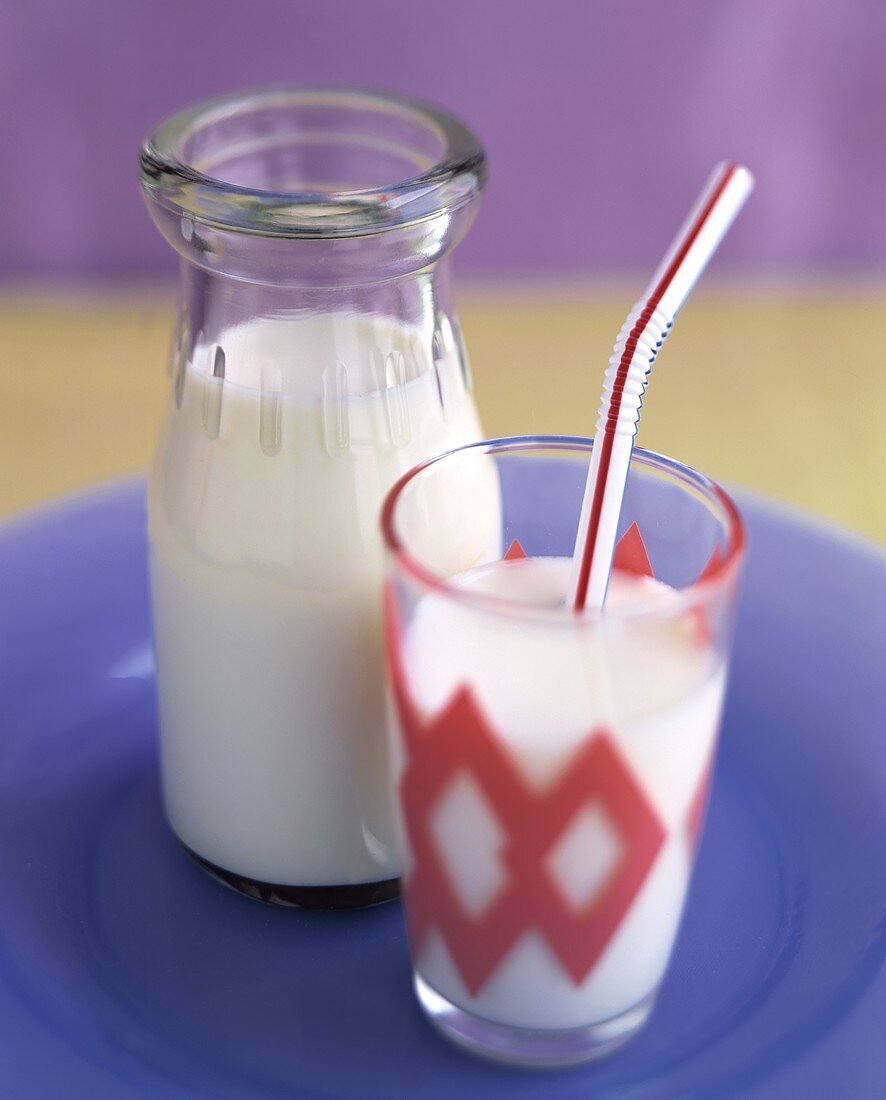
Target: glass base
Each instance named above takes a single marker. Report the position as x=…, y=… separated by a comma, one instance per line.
x=529, y=1046
x=358, y=895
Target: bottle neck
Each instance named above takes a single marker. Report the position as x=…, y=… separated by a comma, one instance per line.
x=379, y=333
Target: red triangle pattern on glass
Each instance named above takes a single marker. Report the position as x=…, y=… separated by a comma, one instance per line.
x=630, y=554
x=714, y=563
x=631, y=557
x=702, y=625
x=460, y=739
x=515, y=551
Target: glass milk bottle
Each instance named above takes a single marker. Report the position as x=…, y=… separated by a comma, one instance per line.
x=316, y=359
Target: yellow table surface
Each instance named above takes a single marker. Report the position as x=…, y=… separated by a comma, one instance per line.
x=783, y=393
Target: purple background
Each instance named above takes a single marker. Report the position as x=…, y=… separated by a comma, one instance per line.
x=601, y=119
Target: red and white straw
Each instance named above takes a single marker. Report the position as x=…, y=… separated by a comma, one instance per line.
x=626, y=377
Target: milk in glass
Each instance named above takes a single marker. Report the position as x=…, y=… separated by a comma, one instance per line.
x=544, y=687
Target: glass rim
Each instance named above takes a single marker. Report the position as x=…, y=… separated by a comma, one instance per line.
x=687, y=596
x=452, y=181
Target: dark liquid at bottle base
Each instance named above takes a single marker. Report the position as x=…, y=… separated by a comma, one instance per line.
x=359, y=895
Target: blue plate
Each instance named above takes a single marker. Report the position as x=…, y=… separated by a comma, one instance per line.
x=127, y=972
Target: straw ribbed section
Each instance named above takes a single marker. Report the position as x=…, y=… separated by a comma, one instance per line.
x=627, y=375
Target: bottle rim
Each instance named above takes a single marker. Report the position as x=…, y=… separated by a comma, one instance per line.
x=175, y=179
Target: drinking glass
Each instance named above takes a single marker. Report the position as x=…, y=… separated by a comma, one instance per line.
x=551, y=769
